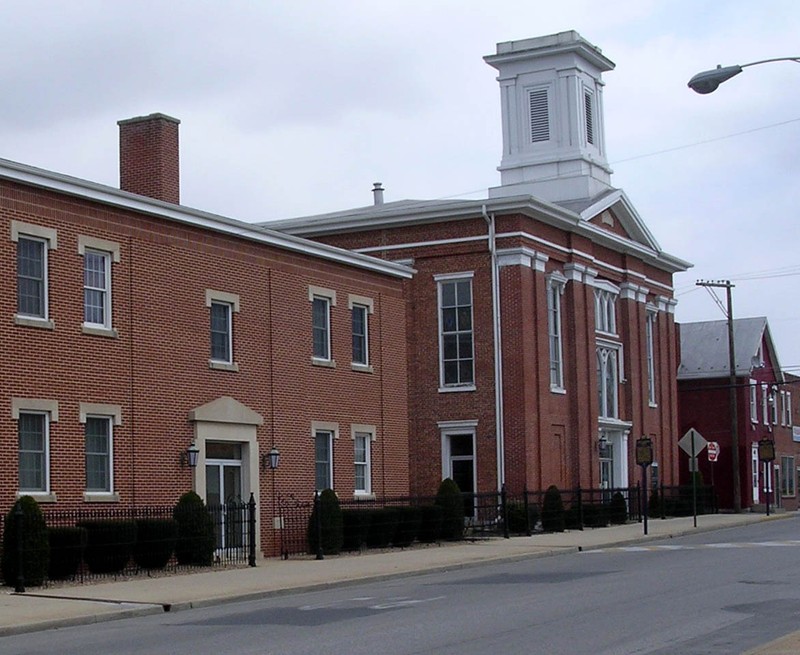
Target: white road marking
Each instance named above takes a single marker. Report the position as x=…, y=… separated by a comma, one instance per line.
x=722, y=545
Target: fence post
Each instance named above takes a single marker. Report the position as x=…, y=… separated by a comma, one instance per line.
x=19, y=517
x=528, y=529
x=504, y=507
x=663, y=504
x=251, y=517
x=580, y=508
x=318, y=514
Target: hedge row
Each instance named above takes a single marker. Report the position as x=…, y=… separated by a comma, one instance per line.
x=106, y=546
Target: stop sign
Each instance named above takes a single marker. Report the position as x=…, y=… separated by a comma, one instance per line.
x=713, y=451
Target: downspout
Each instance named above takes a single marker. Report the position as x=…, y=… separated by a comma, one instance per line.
x=498, y=352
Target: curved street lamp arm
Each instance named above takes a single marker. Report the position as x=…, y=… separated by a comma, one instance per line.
x=708, y=81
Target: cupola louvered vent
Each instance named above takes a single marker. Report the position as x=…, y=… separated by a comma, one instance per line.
x=540, y=115
x=587, y=104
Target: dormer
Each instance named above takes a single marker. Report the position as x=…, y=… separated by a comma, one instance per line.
x=552, y=118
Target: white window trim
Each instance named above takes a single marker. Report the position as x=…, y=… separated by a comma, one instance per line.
x=49, y=237
x=329, y=295
x=370, y=431
x=454, y=277
x=650, y=345
x=753, y=402
x=333, y=430
x=368, y=305
x=447, y=428
x=764, y=403
x=788, y=482
x=605, y=306
x=556, y=283
x=112, y=250
x=48, y=409
x=617, y=347
x=232, y=300
x=103, y=327
x=788, y=408
x=114, y=417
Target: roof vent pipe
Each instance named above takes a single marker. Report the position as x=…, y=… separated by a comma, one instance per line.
x=377, y=192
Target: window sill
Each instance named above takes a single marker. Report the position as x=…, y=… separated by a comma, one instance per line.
x=455, y=389
x=223, y=366
x=100, y=497
x=324, y=363
x=39, y=496
x=360, y=495
x=653, y=405
x=30, y=321
x=98, y=331
x=362, y=368
x=561, y=391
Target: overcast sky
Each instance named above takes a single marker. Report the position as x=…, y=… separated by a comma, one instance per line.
x=295, y=107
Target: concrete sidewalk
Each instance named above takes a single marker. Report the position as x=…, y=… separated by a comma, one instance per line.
x=40, y=609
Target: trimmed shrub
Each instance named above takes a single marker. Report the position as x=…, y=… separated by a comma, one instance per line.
x=35, y=544
x=109, y=544
x=518, y=523
x=196, y=535
x=155, y=542
x=430, y=523
x=408, y=521
x=355, y=526
x=618, y=509
x=66, y=551
x=655, y=506
x=595, y=515
x=382, y=527
x=573, y=517
x=552, y=510
x=331, y=528
x=449, y=498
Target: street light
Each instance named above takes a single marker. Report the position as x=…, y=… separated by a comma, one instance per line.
x=708, y=81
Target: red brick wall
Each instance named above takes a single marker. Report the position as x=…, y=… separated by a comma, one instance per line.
x=157, y=368
x=149, y=157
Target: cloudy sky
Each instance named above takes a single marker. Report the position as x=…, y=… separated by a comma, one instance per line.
x=295, y=107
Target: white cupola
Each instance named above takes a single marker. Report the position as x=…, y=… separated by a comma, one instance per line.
x=552, y=114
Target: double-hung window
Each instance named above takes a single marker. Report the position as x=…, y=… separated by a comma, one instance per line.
x=222, y=307
x=34, y=417
x=605, y=308
x=787, y=476
x=765, y=403
x=753, y=401
x=323, y=458
x=98, y=433
x=787, y=408
x=362, y=441
x=98, y=257
x=98, y=438
x=360, y=309
x=322, y=300
x=457, y=359
x=33, y=245
x=555, y=289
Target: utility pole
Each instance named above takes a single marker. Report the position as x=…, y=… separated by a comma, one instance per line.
x=737, y=492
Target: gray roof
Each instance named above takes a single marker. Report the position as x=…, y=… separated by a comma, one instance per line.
x=704, y=347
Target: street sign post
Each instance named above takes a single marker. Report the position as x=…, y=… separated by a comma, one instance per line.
x=713, y=456
x=693, y=443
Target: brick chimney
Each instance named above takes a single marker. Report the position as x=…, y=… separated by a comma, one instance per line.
x=148, y=157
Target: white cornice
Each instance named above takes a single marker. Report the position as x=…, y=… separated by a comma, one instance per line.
x=105, y=195
x=522, y=257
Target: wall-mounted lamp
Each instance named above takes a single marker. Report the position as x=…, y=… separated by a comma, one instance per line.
x=271, y=459
x=189, y=456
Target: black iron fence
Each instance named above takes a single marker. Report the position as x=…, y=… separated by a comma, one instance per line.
x=400, y=521
x=85, y=544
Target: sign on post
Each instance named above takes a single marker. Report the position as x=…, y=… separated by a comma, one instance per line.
x=713, y=451
x=692, y=442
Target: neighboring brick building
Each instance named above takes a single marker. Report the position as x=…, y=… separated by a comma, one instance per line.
x=135, y=327
x=552, y=286
x=765, y=409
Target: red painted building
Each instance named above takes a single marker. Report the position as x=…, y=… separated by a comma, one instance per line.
x=764, y=400
x=540, y=322
x=135, y=327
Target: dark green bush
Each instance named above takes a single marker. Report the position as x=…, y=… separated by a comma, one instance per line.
x=109, y=544
x=430, y=523
x=66, y=551
x=35, y=544
x=573, y=517
x=655, y=505
x=618, y=509
x=409, y=520
x=196, y=535
x=552, y=510
x=155, y=542
x=449, y=498
x=595, y=515
x=382, y=527
x=330, y=526
x=518, y=523
x=355, y=526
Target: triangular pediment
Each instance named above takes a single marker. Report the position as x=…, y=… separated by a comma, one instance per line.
x=226, y=410
x=613, y=212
